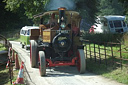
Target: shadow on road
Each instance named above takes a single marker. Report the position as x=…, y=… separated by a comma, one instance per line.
x=63, y=71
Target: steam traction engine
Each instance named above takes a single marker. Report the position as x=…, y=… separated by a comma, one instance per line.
x=56, y=44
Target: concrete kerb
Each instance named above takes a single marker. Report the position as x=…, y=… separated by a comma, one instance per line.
x=27, y=79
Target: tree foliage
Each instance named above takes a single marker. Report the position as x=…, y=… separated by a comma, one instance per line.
x=87, y=8
x=110, y=7
x=125, y=6
x=9, y=20
x=31, y=7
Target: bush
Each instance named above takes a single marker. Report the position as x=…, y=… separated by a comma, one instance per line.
x=116, y=38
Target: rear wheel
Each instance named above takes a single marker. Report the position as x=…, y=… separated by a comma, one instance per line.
x=42, y=63
x=26, y=48
x=81, y=64
x=33, y=51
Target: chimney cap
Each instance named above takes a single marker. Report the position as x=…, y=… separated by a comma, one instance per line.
x=61, y=8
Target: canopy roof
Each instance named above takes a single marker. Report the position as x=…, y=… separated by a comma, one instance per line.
x=74, y=13
x=114, y=17
x=29, y=27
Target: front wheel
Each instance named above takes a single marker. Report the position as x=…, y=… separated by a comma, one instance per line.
x=81, y=64
x=42, y=63
x=22, y=45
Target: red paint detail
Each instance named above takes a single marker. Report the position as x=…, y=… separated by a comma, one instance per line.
x=70, y=53
x=43, y=48
x=78, y=61
x=17, y=66
x=61, y=63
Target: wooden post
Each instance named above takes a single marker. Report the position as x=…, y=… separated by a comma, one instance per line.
x=105, y=54
x=112, y=55
x=99, y=53
x=120, y=57
x=94, y=52
x=90, y=51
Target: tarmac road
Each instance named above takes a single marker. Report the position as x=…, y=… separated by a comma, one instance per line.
x=67, y=75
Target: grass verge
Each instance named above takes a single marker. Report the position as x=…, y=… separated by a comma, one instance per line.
x=2, y=47
x=12, y=35
x=109, y=71
x=5, y=76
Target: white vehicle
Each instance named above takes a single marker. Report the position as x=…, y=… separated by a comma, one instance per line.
x=110, y=24
x=25, y=33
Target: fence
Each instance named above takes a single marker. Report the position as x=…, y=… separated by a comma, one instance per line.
x=14, y=63
x=108, y=53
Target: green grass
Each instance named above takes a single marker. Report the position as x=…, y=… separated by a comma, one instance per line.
x=4, y=75
x=2, y=47
x=100, y=37
x=109, y=71
x=118, y=75
x=116, y=51
x=12, y=35
x=13, y=39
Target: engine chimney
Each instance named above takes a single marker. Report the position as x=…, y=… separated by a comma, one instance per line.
x=61, y=14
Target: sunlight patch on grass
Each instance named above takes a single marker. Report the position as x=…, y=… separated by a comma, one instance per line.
x=13, y=39
x=2, y=47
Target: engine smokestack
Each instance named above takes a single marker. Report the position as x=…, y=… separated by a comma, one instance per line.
x=61, y=15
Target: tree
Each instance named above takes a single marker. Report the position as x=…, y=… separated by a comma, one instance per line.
x=125, y=6
x=110, y=7
x=87, y=8
x=31, y=7
x=9, y=20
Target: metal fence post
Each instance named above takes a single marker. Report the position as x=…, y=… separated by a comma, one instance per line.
x=94, y=52
x=86, y=51
x=120, y=57
x=112, y=55
x=90, y=51
x=99, y=53
x=105, y=54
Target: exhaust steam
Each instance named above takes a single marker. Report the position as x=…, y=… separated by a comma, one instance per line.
x=55, y=4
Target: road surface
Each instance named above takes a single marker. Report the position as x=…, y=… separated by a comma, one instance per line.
x=67, y=75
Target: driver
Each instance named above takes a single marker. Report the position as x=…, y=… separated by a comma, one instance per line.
x=52, y=21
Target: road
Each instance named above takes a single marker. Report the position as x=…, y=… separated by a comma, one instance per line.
x=67, y=75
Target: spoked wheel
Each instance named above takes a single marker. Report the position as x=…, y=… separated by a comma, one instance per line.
x=33, y=51
x=81, y=64
x=42, y=63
